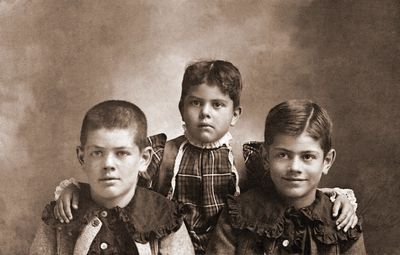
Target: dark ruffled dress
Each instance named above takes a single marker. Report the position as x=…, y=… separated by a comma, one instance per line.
x=149, y=216
x=257, y=222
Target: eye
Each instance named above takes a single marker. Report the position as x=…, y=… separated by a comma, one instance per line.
x=282, y=155
x=218, y=105
x=308, y=157
x=123, y=153
x=195, y=103
x=96, y=154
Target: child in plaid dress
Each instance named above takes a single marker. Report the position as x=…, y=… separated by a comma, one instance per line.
x=198, y=167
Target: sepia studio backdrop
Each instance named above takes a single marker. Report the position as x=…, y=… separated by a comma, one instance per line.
x=59, y=58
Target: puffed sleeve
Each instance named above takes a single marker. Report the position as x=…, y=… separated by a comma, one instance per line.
x=177, y=243
x=45, y=241
x=256, y=173
x=157, y=143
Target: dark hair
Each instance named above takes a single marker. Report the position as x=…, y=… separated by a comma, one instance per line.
x=213, y=72
x=294, y=117
x=116, y=114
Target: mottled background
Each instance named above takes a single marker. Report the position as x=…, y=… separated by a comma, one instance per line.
x=58, y=58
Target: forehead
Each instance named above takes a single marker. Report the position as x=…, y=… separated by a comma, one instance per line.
x=302, y=142
x=207, y=91
x=116, y=137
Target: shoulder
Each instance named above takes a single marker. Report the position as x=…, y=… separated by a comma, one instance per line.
x=257, y=210
x=153, y=215
x=324, y=226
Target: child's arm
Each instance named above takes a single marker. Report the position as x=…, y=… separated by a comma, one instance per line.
x=67, y=193
x=344, y=201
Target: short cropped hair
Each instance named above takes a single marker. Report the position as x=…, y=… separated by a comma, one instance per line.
x=213, y=72
x=294, y=117
x=114, y=114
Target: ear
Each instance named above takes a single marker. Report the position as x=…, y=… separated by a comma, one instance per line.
x=80, y=154
x=145, y=160
x=265, y=156
x=328, y=161
x=236, y=115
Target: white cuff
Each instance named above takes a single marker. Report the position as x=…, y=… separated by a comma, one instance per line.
x=349, y=193
x=63, y=184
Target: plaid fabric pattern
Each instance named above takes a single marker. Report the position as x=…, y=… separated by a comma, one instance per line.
x=203, y=181
x=157, y=143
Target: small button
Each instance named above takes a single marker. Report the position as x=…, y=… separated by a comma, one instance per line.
x=95, y=222
x=285, y=243
x=103, y=246
x=103, y=214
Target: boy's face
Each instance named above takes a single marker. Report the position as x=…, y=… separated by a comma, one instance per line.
x=208, y=113
x=296, y=165
x=111, y=161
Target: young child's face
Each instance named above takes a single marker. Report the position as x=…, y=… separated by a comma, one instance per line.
x=296, y=165
x=208, y=113
x=111, y=161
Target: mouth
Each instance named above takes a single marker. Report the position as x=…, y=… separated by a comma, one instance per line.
x=293, y=179
x=109, y=179
x=205, y=125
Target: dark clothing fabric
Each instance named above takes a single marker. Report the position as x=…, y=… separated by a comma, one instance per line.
x=258, y=222
x=121, y=227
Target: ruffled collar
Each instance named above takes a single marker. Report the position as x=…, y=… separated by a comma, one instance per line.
x=147, y=217
x=224, y=140
x=260, y=211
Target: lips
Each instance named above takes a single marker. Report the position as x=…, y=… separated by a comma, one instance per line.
x=105, y=179
x=205, y=125
x=294, y=179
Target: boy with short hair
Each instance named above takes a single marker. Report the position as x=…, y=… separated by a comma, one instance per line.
x=288, y=215
x=198, y=168
x=115, y=216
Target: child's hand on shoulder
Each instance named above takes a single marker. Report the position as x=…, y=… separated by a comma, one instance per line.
x=347, y=218
x=68, y=198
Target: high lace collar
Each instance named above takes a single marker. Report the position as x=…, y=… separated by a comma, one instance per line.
x=148, y=215
x=224, y=140
x=260, y=211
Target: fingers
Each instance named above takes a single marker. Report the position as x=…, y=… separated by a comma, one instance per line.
x=63, y=217
x=75, y=199
x=56, y=214
x=336, y=208
x=354, y=221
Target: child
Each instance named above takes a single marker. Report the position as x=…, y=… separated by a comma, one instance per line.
x=116, y=216
x=198, y=168
x=288, y=216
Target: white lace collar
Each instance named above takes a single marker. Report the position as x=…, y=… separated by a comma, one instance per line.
x=223, y=140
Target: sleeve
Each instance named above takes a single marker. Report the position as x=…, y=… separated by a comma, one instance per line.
x=335, y=192
x=63, y=184
x=354, y=248
x=45, y=241
x=254, y=165
x=178, y=243
x=223, y=240
x=157, y=143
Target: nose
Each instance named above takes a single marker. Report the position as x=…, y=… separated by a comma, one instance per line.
x=295, y=165
x=205, y=111
x=109, y=162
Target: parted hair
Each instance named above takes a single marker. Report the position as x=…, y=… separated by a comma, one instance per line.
x=214, y=73
x=294, y=117
x=113, y=114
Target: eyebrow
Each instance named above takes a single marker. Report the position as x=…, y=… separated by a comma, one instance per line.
x=114, y=148
x=202, y=99
x=286, y=150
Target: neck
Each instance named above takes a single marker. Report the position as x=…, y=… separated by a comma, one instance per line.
x=300, y=202
x=120, y=201
x=211, y=145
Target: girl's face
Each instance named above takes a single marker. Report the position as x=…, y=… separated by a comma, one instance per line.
x=208, y=113
x=296, y=165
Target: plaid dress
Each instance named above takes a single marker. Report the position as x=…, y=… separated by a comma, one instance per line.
x=203, y=176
